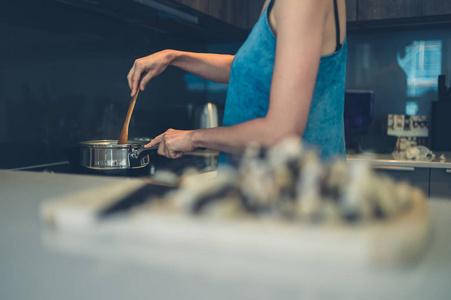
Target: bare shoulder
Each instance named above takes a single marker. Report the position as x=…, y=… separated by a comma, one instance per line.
x=308, y=18
x=305, y=6
x=298, y=12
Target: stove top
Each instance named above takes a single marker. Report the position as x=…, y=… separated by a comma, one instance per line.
x=201, y=161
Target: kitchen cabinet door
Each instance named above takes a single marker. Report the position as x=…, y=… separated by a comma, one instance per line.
x=437, y=7
x=351, y=10
x=385, y=9
x=229, y=11
x=253, y=10
x=440, y=185
x=418, y=177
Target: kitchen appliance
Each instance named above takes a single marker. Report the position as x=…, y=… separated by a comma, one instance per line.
x=358, y=115
x=444, y=93
x=108, y=156
x=410, y=130
x=440, y=118
x=201, y=160
x=441, y=126
x=206, y=116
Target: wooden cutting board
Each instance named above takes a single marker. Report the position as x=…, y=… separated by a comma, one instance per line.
x=403, y=239
x=395, y=242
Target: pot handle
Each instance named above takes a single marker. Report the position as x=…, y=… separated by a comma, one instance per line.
x=138, y=154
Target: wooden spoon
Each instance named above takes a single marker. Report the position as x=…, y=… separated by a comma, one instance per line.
x=123, y=138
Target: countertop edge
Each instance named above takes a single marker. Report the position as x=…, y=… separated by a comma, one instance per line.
x=389, y=161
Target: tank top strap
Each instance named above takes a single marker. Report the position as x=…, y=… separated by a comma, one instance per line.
x=337, y=27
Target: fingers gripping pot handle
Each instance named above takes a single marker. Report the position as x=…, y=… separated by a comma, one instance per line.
x=138, y=154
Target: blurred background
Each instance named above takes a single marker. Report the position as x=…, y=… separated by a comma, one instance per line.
x=63, y=67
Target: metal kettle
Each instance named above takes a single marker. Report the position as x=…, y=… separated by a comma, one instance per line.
x=206, y=116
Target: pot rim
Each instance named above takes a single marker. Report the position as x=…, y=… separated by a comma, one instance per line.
x=111, y=144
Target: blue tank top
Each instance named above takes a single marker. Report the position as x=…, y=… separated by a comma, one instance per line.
x=250, y=83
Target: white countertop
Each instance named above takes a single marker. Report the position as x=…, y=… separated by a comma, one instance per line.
x=390, y=161
x=38, y=263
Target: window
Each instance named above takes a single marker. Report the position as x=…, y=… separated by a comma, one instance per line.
x=422, y=64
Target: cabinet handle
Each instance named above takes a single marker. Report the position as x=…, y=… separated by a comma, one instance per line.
x=394, y=168
x=448, y=171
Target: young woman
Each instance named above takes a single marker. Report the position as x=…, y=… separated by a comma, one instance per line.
x=286, y=80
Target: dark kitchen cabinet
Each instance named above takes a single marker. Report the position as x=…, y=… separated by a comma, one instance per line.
x=440, y=183
x=244, y=13
x=418, y=177
x=229, y=11
x=384, y=9
x=253, y=10
x=351, y=10
x=437, y=7
x=240, y=13
x=369, y=10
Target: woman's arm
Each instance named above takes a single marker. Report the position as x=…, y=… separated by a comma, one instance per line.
x=300, y=32
x=213, y=67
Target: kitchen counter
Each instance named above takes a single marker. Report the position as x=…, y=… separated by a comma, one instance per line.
x=388, y=160
x=38, y=262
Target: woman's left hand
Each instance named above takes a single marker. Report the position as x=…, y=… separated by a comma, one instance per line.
x=173, y=143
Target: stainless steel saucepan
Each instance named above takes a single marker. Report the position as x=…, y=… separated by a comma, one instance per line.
x=106, y=155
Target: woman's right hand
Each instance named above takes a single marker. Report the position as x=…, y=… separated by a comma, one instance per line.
x=148, y=67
